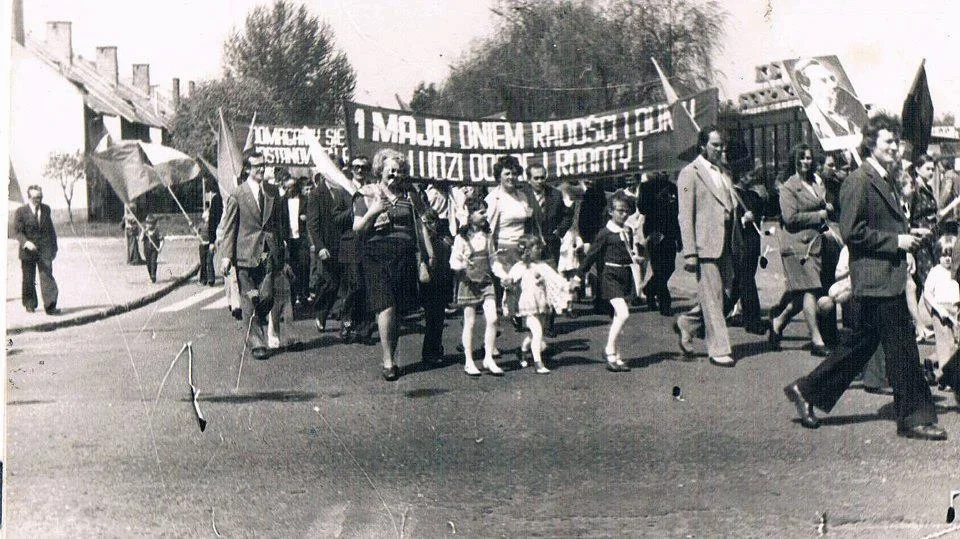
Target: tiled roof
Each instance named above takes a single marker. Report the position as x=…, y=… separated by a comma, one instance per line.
x=102, y=96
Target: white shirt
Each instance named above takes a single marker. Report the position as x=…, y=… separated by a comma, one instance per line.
x=876, y=164
x=293, y=209
x=720, y=181
x=255, y=188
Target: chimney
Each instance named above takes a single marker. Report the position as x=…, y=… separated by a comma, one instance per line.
x=175, y=93
x=191, y=87
x=107, y=64
x=60, y=41
x=141, y=78
x=17, y=29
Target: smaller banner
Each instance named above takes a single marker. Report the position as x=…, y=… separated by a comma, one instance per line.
x=833, y=109
x=287, y=145
x=606, y=144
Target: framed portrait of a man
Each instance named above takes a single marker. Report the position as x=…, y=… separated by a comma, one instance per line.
x=835, y=113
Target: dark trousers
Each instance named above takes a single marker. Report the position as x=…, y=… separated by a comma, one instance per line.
x=299, y=260
x=745, y=282
x=951, y=373
x=152, y=256
x=663, y=261
x=48, y=286
x=434, y=302
x=354, y=295
x=208, y=274
x=887, y=322
x=256, y=300
x=325, y=280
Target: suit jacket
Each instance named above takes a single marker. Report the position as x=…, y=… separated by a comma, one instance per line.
x=555, y=219
x=871, y=218
x=214, y=215
x=703, y=212
x=658, y=204
x=800, y=215
x=41, y=233
x=329, y=215
x=249, y=238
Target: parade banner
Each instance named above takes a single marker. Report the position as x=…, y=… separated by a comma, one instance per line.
x=634, y=139
x=286, y=145
x=833, y=109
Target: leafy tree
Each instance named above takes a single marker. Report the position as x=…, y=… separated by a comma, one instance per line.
x=194, y=128
x=292, y=53
x=947, y=118
x=67, y=169
x=555, y=58
x=424, y=97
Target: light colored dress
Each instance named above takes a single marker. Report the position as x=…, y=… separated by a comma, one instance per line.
x=541, y=288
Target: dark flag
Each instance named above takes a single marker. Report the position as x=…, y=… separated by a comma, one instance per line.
x=918, y=114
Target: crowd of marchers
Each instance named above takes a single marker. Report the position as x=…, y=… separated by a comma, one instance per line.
x=865, y=242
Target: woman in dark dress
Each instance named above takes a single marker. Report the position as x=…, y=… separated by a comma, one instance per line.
x=921, y=210
x=804, y=216
x=386, y=219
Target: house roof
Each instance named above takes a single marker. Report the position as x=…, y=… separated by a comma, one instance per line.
x=101, y=95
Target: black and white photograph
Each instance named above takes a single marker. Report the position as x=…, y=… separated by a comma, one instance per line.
x=490, y=268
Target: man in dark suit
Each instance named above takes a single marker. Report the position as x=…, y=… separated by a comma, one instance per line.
x=298, y=251
x=329, y=215
x=878, y=237
x=709, y=228
x=38, y=247
x=254, y=234
x=658, y=204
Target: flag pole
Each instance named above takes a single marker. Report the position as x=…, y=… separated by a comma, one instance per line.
x=189, y=221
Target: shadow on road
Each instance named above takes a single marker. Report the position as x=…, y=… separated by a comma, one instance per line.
x=270, y=396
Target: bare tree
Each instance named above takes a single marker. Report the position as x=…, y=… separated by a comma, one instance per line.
x=67, y=169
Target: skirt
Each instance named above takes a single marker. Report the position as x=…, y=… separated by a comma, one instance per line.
x=472, y=293
x=390, y=274
x=616, y=282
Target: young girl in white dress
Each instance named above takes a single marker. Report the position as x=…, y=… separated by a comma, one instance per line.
x=541, y=288
x=471, y=258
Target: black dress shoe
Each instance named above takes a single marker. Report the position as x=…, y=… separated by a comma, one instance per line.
x=930, y=431
x=391, y=373
x=683, y=342
x=757, y=328
x=31, y=309
x=774, y=337
x=53, y=311
x=819, y=351
x=804, y=408
x=260, y=353
x=666, y=310
x=930, y=371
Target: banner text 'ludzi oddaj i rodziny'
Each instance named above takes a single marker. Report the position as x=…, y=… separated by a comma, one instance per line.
x=599, y=145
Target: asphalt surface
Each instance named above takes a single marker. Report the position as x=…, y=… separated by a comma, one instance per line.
x=315, y=444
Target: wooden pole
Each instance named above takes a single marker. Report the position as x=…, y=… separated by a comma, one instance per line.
x=189, y=221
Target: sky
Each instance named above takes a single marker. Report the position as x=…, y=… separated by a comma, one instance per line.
x=395, y=44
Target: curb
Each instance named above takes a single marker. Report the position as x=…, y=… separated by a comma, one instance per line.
x=109, y=311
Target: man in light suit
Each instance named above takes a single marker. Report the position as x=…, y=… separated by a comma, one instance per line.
x=38, y=248
x=708, y=213
x=878, y=236
x=253, y=241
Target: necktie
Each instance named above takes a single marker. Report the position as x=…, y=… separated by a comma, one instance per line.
x=262, y=201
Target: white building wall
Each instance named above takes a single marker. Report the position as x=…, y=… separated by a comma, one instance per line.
x=46, y=116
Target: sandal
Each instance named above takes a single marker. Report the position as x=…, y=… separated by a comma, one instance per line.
x=613, y=361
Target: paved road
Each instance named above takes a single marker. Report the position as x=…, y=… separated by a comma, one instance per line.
x=315, y=444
